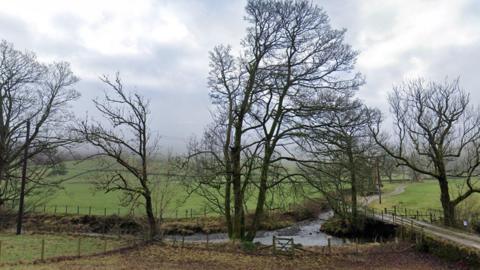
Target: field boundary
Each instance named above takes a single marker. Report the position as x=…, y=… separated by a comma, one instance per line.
x=135, y=245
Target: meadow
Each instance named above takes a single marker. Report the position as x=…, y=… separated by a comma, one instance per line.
x=425, y=195
x=78, y=193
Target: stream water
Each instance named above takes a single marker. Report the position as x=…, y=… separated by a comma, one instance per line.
x=306, y=233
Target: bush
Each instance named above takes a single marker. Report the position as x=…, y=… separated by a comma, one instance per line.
x=248, y=246
x=368, y=228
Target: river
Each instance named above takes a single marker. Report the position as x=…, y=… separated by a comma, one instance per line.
x=306, y=233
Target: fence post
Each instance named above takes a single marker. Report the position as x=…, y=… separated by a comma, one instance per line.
x=176, y=214
x=42, y=251
x=89, y=210
x=78, y=209
x=44, y=208
x=422, y=235
x=55, y=210
x=186, y=213
x=329, y=241
x=66, y=209
x=191, y=213
x=105, y=211
x=78, y=246
x=273, y=245
x=207, y=239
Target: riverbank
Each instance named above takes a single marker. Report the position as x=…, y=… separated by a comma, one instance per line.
x=368, y=229
x=116, y=225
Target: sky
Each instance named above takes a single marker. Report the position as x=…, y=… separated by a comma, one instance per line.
x=160, y=47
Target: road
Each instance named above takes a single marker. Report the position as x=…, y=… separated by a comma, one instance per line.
x=448, y=234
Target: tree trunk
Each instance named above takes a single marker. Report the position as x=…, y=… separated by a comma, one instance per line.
x=152, y=222
x=447, y=205
x=390, y=177
x=237, y=195
x=262, y=195
x=353, y=189
x=228, y=213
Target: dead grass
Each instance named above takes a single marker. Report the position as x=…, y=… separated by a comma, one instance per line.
x=223, y=257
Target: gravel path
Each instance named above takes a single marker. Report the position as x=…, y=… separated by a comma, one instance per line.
x=370, y=199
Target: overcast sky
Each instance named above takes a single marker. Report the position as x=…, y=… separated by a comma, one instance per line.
x=160, y=47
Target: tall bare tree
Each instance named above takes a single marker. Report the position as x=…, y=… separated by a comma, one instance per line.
x=342, y=155
x=437, y=134
x=290, y=58
x=124, y=137
x=40, y=94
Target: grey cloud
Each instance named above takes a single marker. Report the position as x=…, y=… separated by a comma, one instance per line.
x=173, y=76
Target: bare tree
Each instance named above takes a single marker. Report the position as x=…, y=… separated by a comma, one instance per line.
x=437, y=134
x=290, y=58
x=125, y=139
x=40, y=94
x=388, y=166
x=341, y=155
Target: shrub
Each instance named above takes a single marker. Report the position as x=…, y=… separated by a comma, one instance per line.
x=248, y=246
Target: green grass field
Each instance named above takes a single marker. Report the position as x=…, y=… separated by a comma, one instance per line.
x=28, y=247
x=426, y=195
x=78, y=194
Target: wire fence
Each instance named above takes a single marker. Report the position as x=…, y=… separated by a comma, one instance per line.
x=467, y=222
x=177, y=213
x=42, y=247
